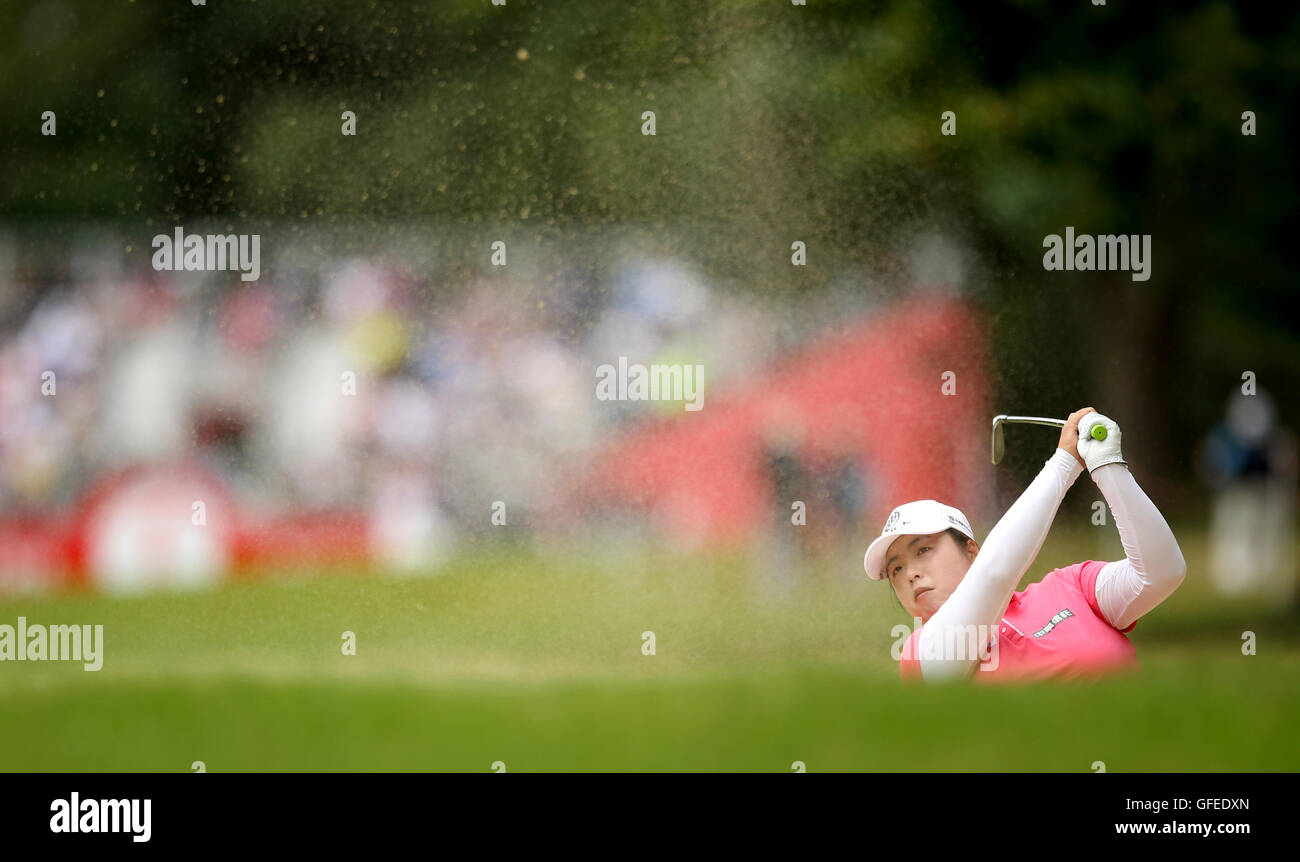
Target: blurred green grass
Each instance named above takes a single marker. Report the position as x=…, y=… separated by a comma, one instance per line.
x=534, y=659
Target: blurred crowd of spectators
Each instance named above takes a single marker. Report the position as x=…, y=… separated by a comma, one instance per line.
x=357, y=383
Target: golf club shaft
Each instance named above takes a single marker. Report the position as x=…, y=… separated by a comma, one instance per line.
x=1035, y=420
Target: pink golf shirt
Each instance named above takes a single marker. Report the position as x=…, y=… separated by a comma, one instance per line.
x=1052, y=628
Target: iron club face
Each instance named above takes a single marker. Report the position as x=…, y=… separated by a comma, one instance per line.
x=998, y=445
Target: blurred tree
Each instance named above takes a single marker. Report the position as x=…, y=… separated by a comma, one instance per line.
x=774, y=122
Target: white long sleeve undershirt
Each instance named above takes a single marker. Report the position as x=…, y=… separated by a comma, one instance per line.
x=1126, y=589
x=1153, y=566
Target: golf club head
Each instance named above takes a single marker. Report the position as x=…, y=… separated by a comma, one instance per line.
x=998, y=445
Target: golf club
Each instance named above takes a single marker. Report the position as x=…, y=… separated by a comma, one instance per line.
x=998, y=445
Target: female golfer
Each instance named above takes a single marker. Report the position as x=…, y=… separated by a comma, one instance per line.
x=1073, y=622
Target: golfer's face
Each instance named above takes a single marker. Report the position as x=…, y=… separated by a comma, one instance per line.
x=924, y=570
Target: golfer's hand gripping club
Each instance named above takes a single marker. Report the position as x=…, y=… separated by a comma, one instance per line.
x=1099, y=441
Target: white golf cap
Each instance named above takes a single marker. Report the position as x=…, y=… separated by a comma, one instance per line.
x=918, y=518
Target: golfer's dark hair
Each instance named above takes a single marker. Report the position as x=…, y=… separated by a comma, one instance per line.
x=957, y=536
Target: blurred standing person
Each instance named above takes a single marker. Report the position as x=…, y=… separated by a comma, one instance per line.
x=843, y=488
x=1250, y=461
x=149, y=381
x=781, y=546
x=408, y=530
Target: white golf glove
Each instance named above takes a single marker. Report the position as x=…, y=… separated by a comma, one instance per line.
x=1099, y=453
